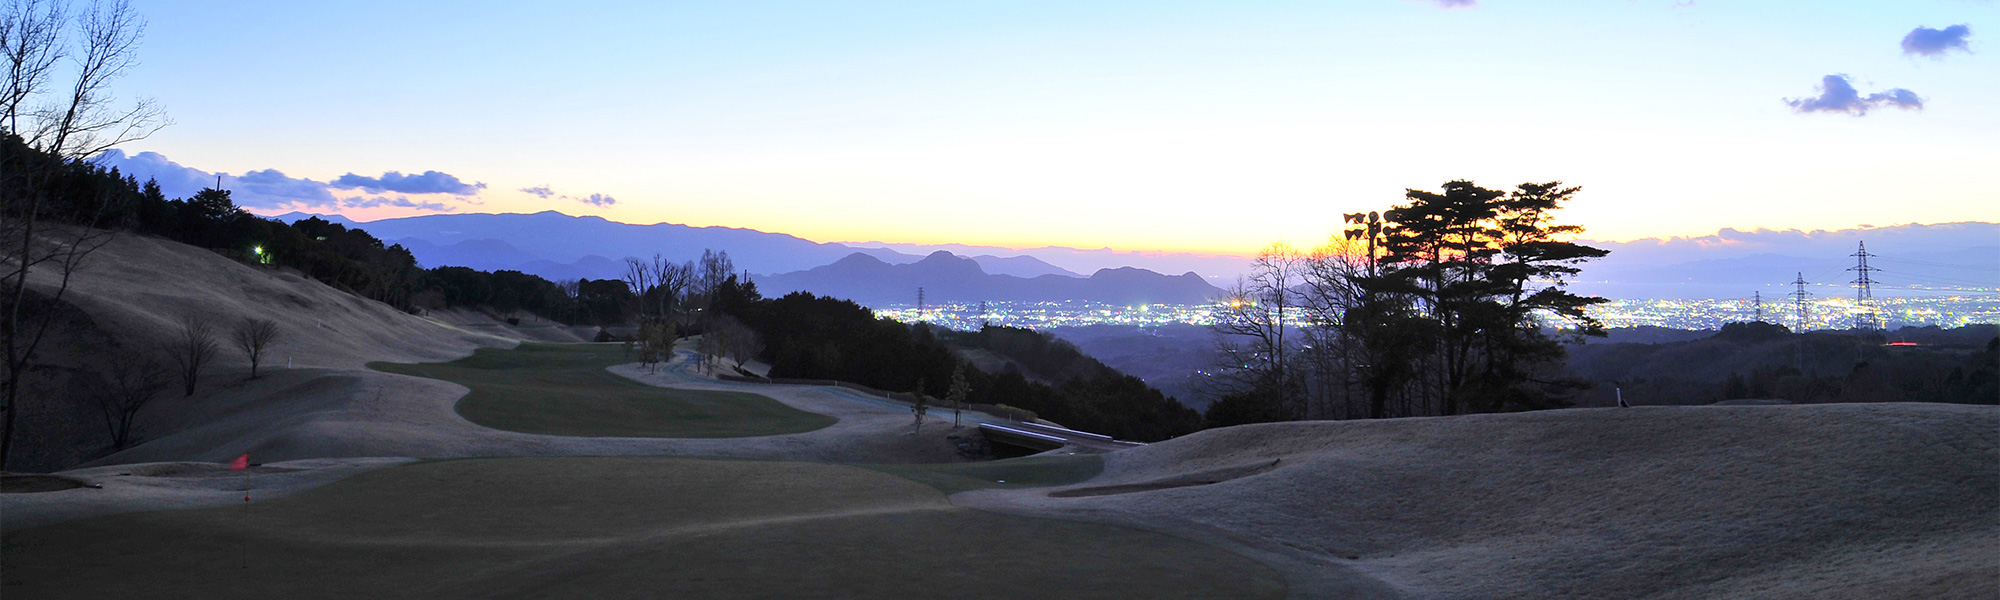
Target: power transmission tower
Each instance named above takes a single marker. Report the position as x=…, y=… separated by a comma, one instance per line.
x=1800, y=297
x=1865, y=317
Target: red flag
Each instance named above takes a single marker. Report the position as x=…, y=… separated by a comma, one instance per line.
x=241, y=462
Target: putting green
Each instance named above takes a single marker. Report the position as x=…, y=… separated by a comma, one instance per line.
x=616, y=527
x=563, y=389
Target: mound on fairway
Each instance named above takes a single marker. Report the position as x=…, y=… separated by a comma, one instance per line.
x=1806, y=501
x=563, y=389
x=615, y=527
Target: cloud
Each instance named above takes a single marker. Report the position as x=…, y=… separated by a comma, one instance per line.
x=1455, y=3
x=545, y=192
x=1838, y=95
x=269, y=184
x=175, y=181
x=428, y=182
x=270, y=188
x=1925, y=41
x=399, y=202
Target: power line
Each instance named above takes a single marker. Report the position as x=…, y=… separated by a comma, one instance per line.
x=1934, y=264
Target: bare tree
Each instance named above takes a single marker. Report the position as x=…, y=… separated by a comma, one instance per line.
x=640, y=278
x=1256, y=344
x=126, y=385
x=672, y=280
x=253, y=336
x=715, y=268
x=63, y=124
x=713, y=344
x=194, y=345
x=731, y=339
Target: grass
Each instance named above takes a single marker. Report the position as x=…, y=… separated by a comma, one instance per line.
x=617, y=527
x=563, y=389
x=1025, y=472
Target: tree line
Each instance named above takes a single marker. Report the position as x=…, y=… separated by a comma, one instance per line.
x=1445, y=304
x=350, y=259
x=806, y=336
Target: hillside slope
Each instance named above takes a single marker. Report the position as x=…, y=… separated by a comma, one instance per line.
x=125, y=306
x=1829, y=501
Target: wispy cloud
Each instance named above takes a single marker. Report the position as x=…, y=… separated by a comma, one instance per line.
x=1454, y=3
x=1838, y=95
x=428, y=182
x=1924, y=41
x=541, y=191
x=545, y=192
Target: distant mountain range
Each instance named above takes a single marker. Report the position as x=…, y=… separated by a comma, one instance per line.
x=560, y=247
x=1911, y=260
x=946, y=277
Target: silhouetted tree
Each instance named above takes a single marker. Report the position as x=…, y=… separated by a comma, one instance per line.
x=960, y=390
x=920, y=406
x=1454, y=289
x=1254, y=322
x=125, y=385
x=60, y=124
x=253, y=336
x=193, y=347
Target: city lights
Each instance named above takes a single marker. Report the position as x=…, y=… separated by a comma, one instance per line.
x=1824, y=313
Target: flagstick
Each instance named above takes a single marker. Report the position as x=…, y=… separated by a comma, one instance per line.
x=246, y=518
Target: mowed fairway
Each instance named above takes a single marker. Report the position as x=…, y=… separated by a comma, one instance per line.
x=616, y=527
x=563, y=389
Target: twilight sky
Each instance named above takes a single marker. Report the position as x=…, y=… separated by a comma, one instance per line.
x=1183, y=126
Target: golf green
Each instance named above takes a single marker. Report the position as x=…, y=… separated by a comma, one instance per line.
x=616, y=527
x=563, y=389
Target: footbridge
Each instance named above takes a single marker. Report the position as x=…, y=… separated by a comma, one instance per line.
x=1041, y=438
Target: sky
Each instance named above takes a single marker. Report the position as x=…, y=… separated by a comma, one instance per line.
x=1213, y=127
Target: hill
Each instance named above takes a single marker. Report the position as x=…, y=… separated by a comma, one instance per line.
x=124, y=307
x=1837, y=501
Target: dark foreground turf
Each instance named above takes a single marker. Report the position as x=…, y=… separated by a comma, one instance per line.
x=1027, y=471
x=615, y=527
x=563, y=389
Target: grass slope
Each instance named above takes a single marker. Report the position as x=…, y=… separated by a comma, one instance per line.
x=563, y=389
x=616, y=527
